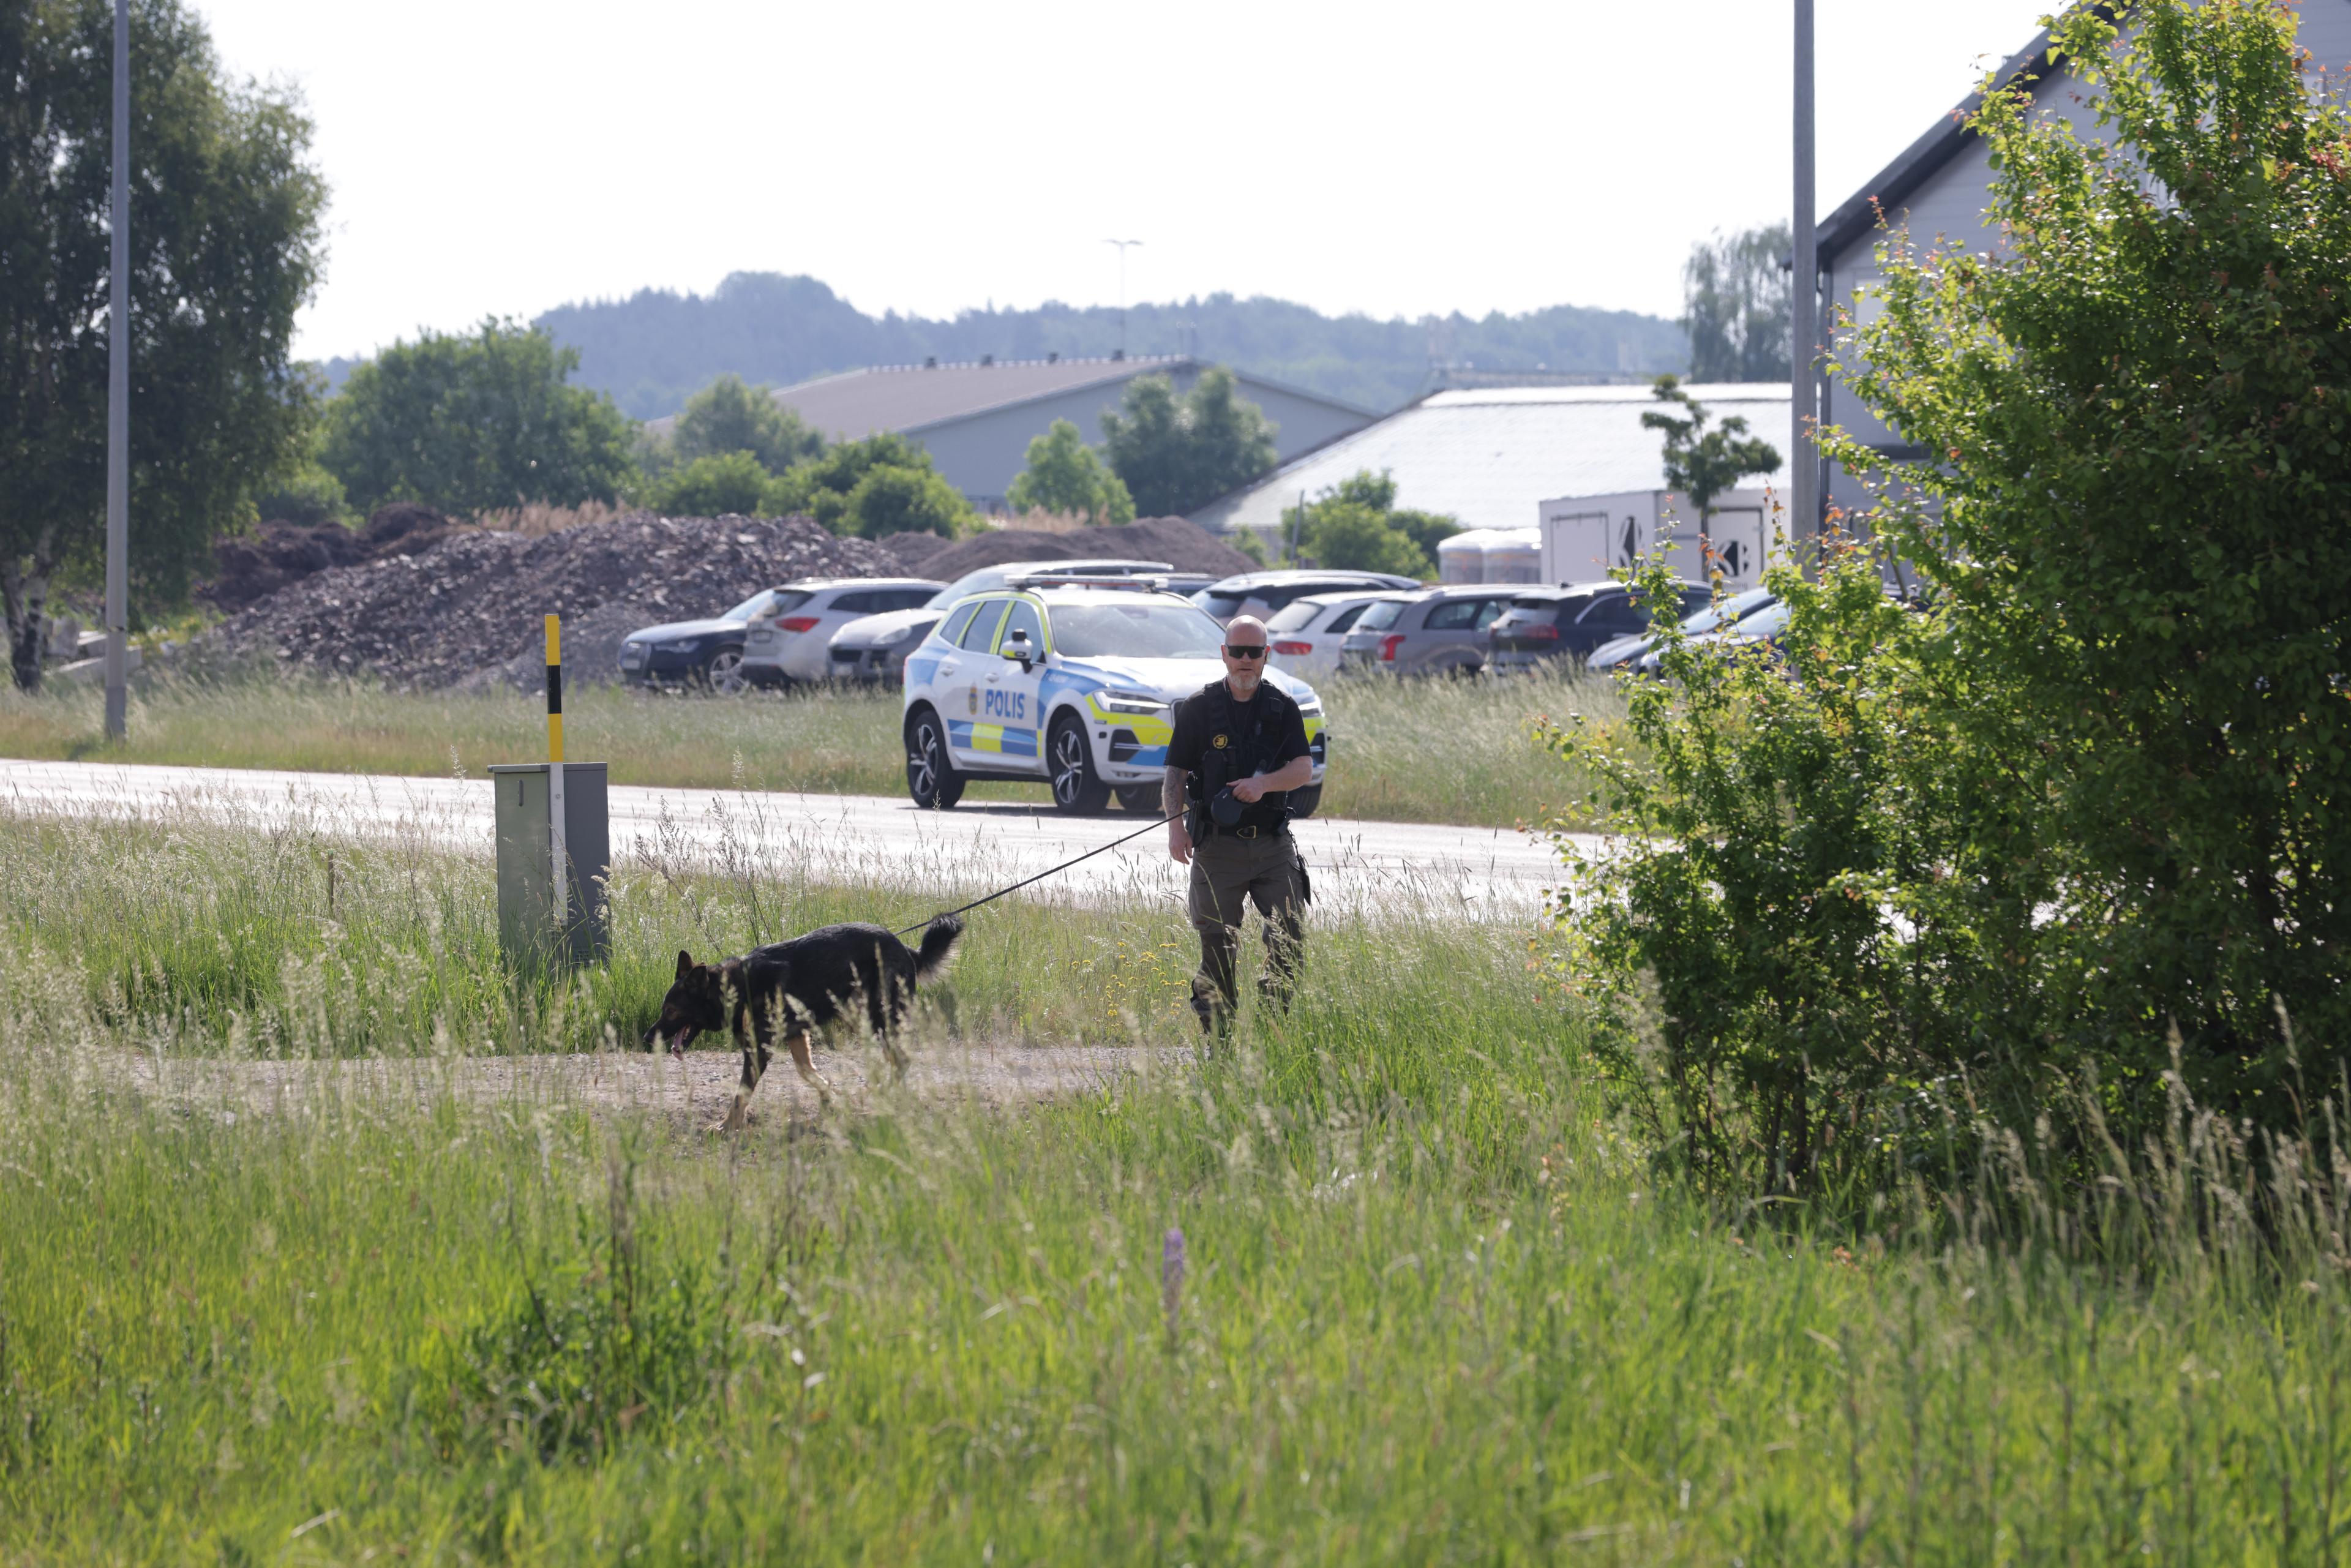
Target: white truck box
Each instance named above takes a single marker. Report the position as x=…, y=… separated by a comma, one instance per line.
x=1584, y=537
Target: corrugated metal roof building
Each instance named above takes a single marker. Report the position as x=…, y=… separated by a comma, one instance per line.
x=976, y=420
x=1487, y=455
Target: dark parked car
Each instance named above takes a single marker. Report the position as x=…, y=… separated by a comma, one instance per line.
x=1546, y=624
x=1708, y=616
x=694, y=653
x=1763, y=626
x=1438, y=632
x=1260, y=593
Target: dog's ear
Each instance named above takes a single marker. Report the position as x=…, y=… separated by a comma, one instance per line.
x=684, y=963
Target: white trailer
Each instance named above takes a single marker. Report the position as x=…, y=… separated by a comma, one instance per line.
x=1584, y=537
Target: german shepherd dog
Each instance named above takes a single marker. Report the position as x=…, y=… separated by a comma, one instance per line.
x=790, y=988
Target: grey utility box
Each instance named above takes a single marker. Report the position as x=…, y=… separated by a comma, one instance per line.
x=532, y=928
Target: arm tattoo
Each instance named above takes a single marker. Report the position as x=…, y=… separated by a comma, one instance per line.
x=1171, y=790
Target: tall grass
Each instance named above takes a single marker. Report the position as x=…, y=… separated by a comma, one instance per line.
x=1430, y=1307
x=1412, y=751
x=308, y=939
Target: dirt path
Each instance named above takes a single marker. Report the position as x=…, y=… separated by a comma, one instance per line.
x=693, y=1093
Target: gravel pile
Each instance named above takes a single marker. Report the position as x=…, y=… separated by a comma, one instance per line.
x=1180, y=542
x=467, y=610
x=249, y=568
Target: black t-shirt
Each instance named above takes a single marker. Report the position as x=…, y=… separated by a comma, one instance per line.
x=1219, y=740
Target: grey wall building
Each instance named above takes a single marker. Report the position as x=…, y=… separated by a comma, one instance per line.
x=1937, y=191
x=976, y=420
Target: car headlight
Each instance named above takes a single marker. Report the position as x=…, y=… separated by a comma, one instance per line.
x=1311, y=707
x=1127, y=702
x=891, y=638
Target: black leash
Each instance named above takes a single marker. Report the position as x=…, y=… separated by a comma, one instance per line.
x=1041, y=875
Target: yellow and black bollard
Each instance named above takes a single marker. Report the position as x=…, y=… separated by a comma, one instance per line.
x=554, y=845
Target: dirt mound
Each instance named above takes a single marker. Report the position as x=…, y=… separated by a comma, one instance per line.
x=467, y=605
x=252, y=567
x=1178, y=541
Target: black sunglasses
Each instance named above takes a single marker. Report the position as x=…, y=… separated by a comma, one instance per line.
x=1246, y=650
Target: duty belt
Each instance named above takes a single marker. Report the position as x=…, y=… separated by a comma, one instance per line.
x=1253, y=832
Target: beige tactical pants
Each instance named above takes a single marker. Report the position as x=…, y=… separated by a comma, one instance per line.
x=1228, y=873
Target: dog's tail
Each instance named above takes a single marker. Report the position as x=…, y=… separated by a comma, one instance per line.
x=939, y=938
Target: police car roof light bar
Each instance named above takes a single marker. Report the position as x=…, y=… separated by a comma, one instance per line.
x=1050, y=579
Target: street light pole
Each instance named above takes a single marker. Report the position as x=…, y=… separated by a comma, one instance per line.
x=1804, y=335
x=1123, y=244
x=118, y=394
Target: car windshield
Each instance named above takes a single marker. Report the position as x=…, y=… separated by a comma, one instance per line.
x=1380, y=616
x=1713, y=616
x=1140, y=631
x=981, y=581
x=1768, y=621
x=1223, y=606
x=767, y=601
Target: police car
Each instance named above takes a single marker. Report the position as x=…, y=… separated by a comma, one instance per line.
x=1071, y=685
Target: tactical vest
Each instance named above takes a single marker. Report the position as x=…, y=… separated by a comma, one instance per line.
x=1234, y=750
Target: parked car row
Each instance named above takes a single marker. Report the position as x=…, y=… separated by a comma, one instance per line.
x=1321, y=624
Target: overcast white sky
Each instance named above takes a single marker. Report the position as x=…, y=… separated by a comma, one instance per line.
x=488, y=156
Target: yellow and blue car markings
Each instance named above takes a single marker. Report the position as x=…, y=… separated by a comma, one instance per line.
x=1005, y=740
x=1001, y=723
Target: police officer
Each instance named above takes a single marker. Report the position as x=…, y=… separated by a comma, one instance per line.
x=1239, y=748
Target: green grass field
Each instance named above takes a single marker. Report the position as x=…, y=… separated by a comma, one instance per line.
x=1450, y=752
x=1432, y=1307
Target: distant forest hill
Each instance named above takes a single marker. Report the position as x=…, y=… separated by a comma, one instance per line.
x=655, y=349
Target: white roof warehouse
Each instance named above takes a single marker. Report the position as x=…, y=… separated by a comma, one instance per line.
x=1487, y=455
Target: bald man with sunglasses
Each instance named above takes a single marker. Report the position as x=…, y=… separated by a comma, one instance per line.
x=1242, y=739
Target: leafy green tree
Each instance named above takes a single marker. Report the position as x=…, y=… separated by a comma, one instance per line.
x=1356, y=525
x=1175, y=453
x=1700, y=463
x=1351, y=535
x=1736, y=307
x=469, y=423
x=730, y=416
x=827, y=488
x=224, y=237
x=713, y=486
x=1063, y=475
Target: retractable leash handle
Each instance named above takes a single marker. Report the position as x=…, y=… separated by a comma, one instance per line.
x=1050, y=871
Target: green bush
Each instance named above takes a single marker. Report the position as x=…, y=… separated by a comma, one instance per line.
x=712, y=487
x=902, y=501
x=1356, y=524
x=308, y=495
x=832, y=489
x=2072, y=843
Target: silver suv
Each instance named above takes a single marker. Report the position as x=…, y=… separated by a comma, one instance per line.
x=1441, y=632
x=785, y=642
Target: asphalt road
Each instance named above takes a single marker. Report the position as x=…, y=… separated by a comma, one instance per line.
x=1382, y=869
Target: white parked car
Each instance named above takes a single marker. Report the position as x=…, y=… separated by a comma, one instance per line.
x=785, y=642
x=1070, y=687
x=874, y=647
x=1307, y=632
